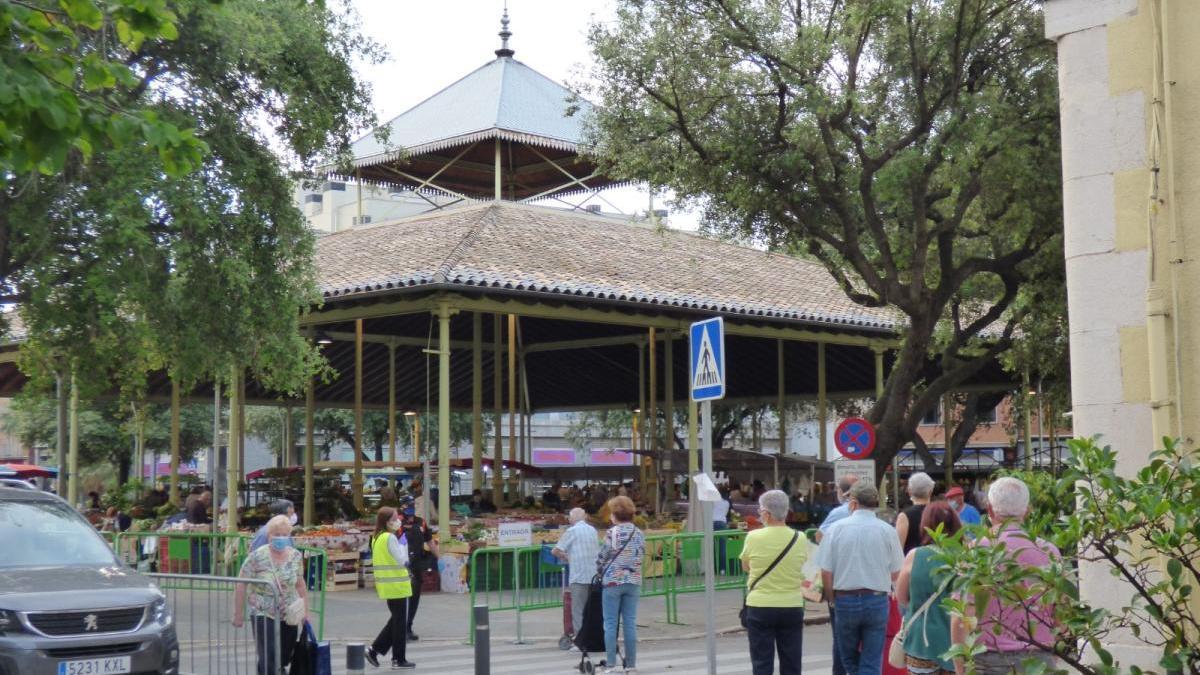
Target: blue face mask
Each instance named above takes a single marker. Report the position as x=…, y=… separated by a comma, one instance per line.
x=281, y=543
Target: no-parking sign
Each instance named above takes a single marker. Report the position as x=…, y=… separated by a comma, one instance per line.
x=854, y=438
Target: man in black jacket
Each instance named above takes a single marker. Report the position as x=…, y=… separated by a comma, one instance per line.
x=422, y=556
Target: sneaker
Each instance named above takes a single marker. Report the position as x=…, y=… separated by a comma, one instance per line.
x=631, y=671
x=412, y=637
x=399, y=665
x=372, y=656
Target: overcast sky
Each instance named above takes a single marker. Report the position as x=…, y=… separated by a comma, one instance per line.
x=433, y=44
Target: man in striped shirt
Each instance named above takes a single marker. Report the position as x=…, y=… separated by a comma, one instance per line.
x=579, y=546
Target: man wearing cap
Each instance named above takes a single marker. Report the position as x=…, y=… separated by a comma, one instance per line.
x=860, y=558
x=969, y=515
x=279, y=507
x=422, y=556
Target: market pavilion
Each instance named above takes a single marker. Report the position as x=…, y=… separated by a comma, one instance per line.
x=522, y=307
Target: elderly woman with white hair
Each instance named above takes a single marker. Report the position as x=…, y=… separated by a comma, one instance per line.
x=278, y=608
x=773, y=558
x=908, y=523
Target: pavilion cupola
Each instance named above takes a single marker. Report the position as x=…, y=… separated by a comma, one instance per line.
x=502, y=132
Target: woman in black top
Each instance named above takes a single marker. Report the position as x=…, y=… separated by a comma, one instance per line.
x=908, y=523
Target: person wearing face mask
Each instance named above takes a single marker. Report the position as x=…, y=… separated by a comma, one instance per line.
x=273, y=607
x=279, y=507
x=389, y=558
x=422, y=554
x=969, y=515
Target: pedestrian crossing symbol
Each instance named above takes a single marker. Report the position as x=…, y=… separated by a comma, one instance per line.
x=707, y=342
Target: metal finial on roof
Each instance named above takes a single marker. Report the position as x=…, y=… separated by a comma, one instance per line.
x=505, y=33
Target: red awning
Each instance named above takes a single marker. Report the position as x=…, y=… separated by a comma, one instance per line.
x=31, y=471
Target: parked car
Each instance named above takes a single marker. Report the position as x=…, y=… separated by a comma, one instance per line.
x=68, y=606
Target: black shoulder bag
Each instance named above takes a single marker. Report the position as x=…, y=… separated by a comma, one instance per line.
x=742, y=614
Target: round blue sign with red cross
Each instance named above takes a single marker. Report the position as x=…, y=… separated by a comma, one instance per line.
x=855, y=438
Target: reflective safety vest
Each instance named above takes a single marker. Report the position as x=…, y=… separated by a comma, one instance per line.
x=391, y=578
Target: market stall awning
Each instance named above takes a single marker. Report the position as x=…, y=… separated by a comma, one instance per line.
x=488, y=463
x=30, y=470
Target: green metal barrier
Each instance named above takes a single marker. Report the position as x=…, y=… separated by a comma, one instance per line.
x=523, y=579
x=215, y=553
x=212, y=553
x=314, y=573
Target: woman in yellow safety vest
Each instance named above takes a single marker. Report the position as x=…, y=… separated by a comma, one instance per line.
x=389, y=557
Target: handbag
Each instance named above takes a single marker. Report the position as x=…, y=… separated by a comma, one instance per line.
x=311, y=656
x=784, y=552
x=896, y=649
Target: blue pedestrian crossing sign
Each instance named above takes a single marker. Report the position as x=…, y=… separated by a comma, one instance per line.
x=707, y=342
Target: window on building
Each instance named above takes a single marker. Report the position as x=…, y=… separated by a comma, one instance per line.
x=990, y=417
x=933, y=417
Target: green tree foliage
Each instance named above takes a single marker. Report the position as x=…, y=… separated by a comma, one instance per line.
x=1143, y=528
x=60, y=95
x=121, y=263
x=106, y=430
x=911, y=148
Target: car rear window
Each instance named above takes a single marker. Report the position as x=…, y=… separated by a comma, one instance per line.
x=47, y=533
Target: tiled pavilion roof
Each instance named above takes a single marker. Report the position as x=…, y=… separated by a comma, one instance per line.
x=575, y=256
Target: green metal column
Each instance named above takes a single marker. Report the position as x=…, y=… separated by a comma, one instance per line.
x=391, y=411
x=497, y=402
x=781, y=404
x=231, y=460
x=822, y=403
x=174, y=491
x=1028, y=430
x=73, y=444
x=443, y=421
x=310, y=405
x=60, y=424
x=512, y=406
x=476, y=400
x=356, y=482
x=666, y=472
x=948, y=431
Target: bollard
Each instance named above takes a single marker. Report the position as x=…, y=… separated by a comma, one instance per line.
x=482, y=638
x=356, y=659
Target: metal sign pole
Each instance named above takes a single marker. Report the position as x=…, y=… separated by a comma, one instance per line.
x=710, y=628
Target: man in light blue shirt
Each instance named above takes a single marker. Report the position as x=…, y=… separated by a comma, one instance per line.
x=579, y=546
x=839, y=512
x=842, y=509
x=860, y=557
x=279, y=507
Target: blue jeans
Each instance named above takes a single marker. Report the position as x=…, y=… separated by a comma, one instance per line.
x=621, y=601
x=861, y=623
x=838, y=668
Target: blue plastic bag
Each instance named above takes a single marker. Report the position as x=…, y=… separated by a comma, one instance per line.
x=312, y=656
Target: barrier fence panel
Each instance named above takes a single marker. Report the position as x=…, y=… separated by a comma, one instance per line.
x=314, y=571
x=528, y=578
x=190, y=553
x=213, y=553
x=204, y=608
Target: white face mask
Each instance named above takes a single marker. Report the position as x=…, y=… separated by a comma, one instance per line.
x=293, y=518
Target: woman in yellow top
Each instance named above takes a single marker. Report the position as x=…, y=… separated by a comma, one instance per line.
x=389, y=562
x=775, y=603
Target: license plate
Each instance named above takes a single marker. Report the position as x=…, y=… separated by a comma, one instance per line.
x=109, y=665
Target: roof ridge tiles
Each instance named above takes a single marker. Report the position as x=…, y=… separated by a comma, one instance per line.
x=487, y=217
